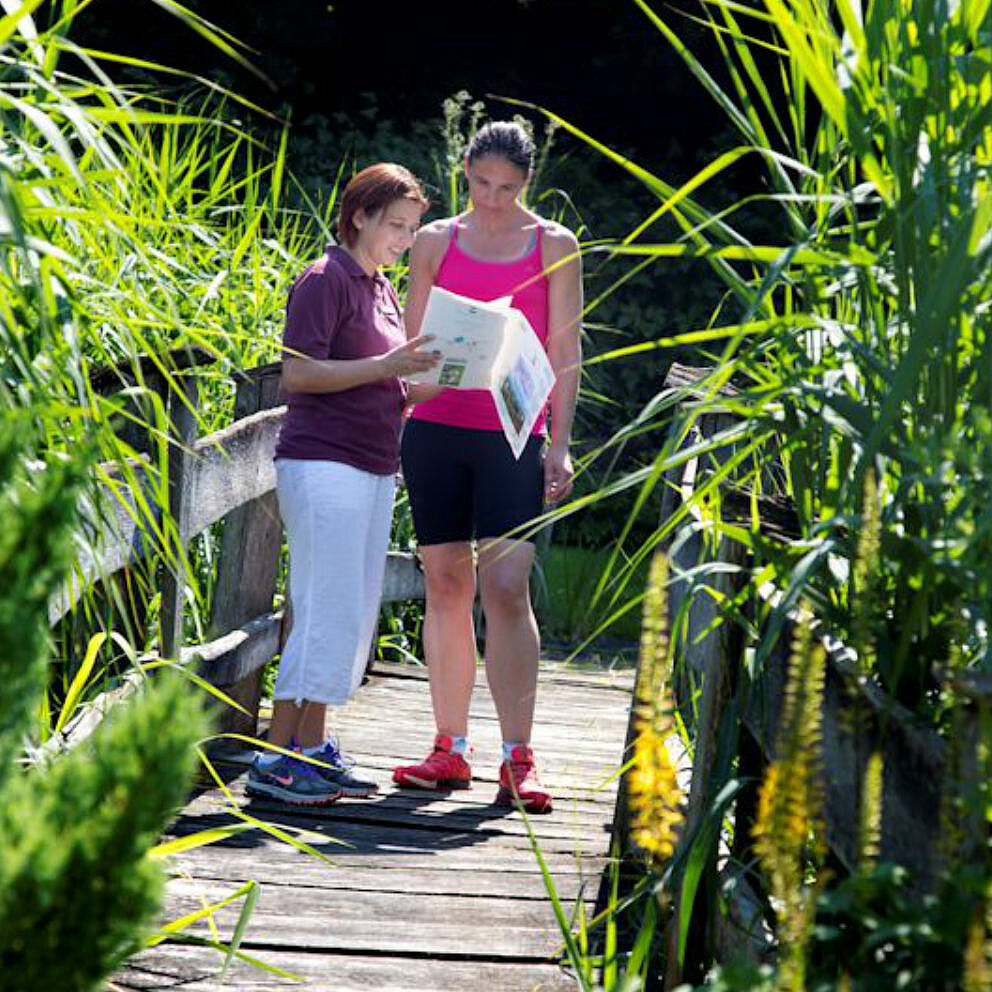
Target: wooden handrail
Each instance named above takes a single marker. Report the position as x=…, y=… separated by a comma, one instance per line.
x=107, y=378
x=916, y=758
x=226, y=475
x=222, y=471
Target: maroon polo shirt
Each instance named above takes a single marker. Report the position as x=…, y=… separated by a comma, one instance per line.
x=337, y=311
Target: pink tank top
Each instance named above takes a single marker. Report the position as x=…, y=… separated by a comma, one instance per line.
x=523, y=279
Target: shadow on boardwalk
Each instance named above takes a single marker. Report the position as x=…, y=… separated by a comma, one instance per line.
x=423, y=890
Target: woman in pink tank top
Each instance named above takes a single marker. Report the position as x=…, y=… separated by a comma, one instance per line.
x=465, y=486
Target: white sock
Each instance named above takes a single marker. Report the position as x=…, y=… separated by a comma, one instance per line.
x=459, y=745
x=310, y=752
x=508, y=747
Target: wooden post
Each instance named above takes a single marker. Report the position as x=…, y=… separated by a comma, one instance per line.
x=107, y=380
x=678, y=482
x=172, y=581
x=249, y=559
x=715, y=658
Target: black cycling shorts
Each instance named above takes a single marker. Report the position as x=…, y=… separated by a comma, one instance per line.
x=465, y=483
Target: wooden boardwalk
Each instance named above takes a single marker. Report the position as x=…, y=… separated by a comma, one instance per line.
x=432, y=892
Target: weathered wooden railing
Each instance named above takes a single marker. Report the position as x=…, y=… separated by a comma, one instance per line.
x=227, y=475
x=915, y=758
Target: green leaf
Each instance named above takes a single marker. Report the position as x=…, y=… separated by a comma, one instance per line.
x=21, y=11
x=206, y=912
x=219, y=38
x=244, y=918
x=80, y=681
x=701, y=853
x=199, y=839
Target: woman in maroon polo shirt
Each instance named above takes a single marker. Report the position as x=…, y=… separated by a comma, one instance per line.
x=345, y=356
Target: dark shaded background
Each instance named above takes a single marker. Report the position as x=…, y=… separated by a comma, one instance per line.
x=600, y=64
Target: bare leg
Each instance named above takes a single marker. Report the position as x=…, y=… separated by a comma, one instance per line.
x=512, y=640
x=303, y=725
x=449, y=636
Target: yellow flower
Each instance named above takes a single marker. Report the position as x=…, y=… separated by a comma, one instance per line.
x=870, y=834
x=977, y=976
x=654, y=795
x=790, y=802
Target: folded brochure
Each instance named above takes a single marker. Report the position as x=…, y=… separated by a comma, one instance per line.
x=489, y=346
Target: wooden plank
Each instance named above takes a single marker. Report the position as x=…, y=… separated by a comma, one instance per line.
x=239, y=653
x=570, y=781
x=551, y=673
x=573, y=808
x=361, y=825
x=281, y=865
x=611, y=694
x=554, y=758
x=118, y=542
x=172, y=570
x=328, y=833
x=421, y=879
x=424, y=811
x=107, y=379
x=555, y=708
x=249, y=559
x=247, y=571
x=567, y=740
x=401, y=848
x=195, y=969
x=428, y=813
x=231, y=467
x=252, y=532
x=361, y=730
x=242, y=649
x=688, y=377
x=416, y=731
x=589, y=725
x=403, y=579
x=318, y=919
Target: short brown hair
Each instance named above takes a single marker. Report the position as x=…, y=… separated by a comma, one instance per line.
x=373, y=189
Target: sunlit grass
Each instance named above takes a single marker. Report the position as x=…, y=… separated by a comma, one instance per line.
x=135, y=225
x=855, y=337
x=861, y=340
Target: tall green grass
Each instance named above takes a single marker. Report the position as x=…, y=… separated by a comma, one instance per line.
x=135, y=224
x=860, y=340
x=857, y=338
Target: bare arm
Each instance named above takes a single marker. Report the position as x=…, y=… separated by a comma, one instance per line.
x=425, y=257
x=302, y=374
x=564, y=353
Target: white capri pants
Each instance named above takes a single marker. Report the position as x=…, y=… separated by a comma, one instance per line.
x=337, y=521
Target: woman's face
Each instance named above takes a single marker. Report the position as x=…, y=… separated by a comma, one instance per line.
x=384, y=236
x=494, y=183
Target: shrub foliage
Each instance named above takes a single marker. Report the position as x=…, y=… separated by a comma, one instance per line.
x=75, y=886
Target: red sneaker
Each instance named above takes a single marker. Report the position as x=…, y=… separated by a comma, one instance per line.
x=442, y=769
x=518, y=783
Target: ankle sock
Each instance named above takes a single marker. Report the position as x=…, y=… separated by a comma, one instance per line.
x=459, y=745
x=508, y=747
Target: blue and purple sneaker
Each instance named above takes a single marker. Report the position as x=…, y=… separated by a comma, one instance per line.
x=338, y=770
x=291, y=781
